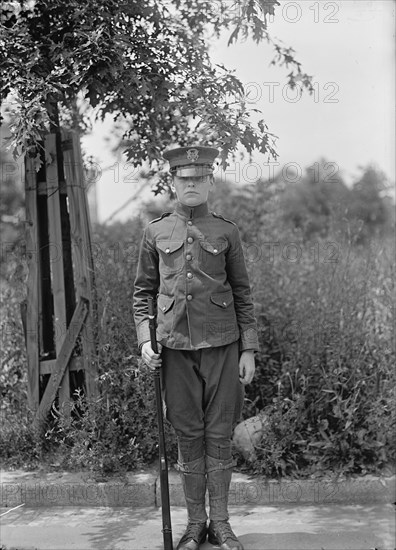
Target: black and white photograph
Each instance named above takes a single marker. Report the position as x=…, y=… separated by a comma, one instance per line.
x=197, y=275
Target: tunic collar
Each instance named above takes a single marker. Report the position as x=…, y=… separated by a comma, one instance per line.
x=192, y=211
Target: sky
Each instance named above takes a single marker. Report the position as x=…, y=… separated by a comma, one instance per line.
x=348, y=47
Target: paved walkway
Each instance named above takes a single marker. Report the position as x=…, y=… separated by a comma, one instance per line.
x=320, y=527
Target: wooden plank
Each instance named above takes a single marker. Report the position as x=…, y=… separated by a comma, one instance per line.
x=49, y=366
x=57, y=267
x=32, y=307
x=75, y=226
x=62, y=361
x=75, y=237
x=80, y=231
x=90, y=333
x=84, y=210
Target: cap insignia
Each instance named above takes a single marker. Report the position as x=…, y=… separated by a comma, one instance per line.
x=193, y=154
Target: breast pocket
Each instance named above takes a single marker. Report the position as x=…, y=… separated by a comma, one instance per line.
x=212, y=256
x=171, y=256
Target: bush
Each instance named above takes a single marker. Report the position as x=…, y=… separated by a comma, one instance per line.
x=324, y=376
x=118, y=431
x=17, y=442
x=330, y=403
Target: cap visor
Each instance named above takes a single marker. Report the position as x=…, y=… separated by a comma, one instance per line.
x=193, y=171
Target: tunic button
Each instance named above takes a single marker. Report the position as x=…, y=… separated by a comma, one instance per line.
x=189, y=275
x=189, y=222
x=215, y=250
x=224, y=304
x=188, y=257
x=189, y=297
x=167, y=250
x=190, y=240
x=163, y=308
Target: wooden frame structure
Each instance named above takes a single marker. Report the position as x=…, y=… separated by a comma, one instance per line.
x=60, y=314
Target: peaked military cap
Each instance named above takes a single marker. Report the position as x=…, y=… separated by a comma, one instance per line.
x=191, y=161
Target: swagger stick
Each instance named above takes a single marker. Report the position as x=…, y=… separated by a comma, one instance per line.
x=163, y=464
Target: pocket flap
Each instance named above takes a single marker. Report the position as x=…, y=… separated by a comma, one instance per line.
x=215, y=247
x=164, y=302
x=169, y=246
x=222, y=299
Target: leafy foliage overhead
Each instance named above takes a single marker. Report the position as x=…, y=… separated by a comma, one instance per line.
x=145, y=63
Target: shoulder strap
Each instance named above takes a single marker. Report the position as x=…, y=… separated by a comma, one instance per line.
x=222, y=218
x=160, y=218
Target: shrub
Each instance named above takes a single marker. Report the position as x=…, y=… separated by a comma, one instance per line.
x=17, y=442
x=118, y=431
x=324, y=376
x=330, y=404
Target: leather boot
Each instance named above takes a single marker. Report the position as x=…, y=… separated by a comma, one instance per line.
x=194, y=535
x=219, y=474
x=194, y=487
x=220, y=534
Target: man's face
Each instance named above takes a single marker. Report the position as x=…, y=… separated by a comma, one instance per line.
x=192, y=190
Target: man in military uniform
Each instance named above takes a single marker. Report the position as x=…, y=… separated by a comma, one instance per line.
x=192, y=261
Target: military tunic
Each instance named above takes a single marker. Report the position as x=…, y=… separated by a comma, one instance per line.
x=192, y=261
